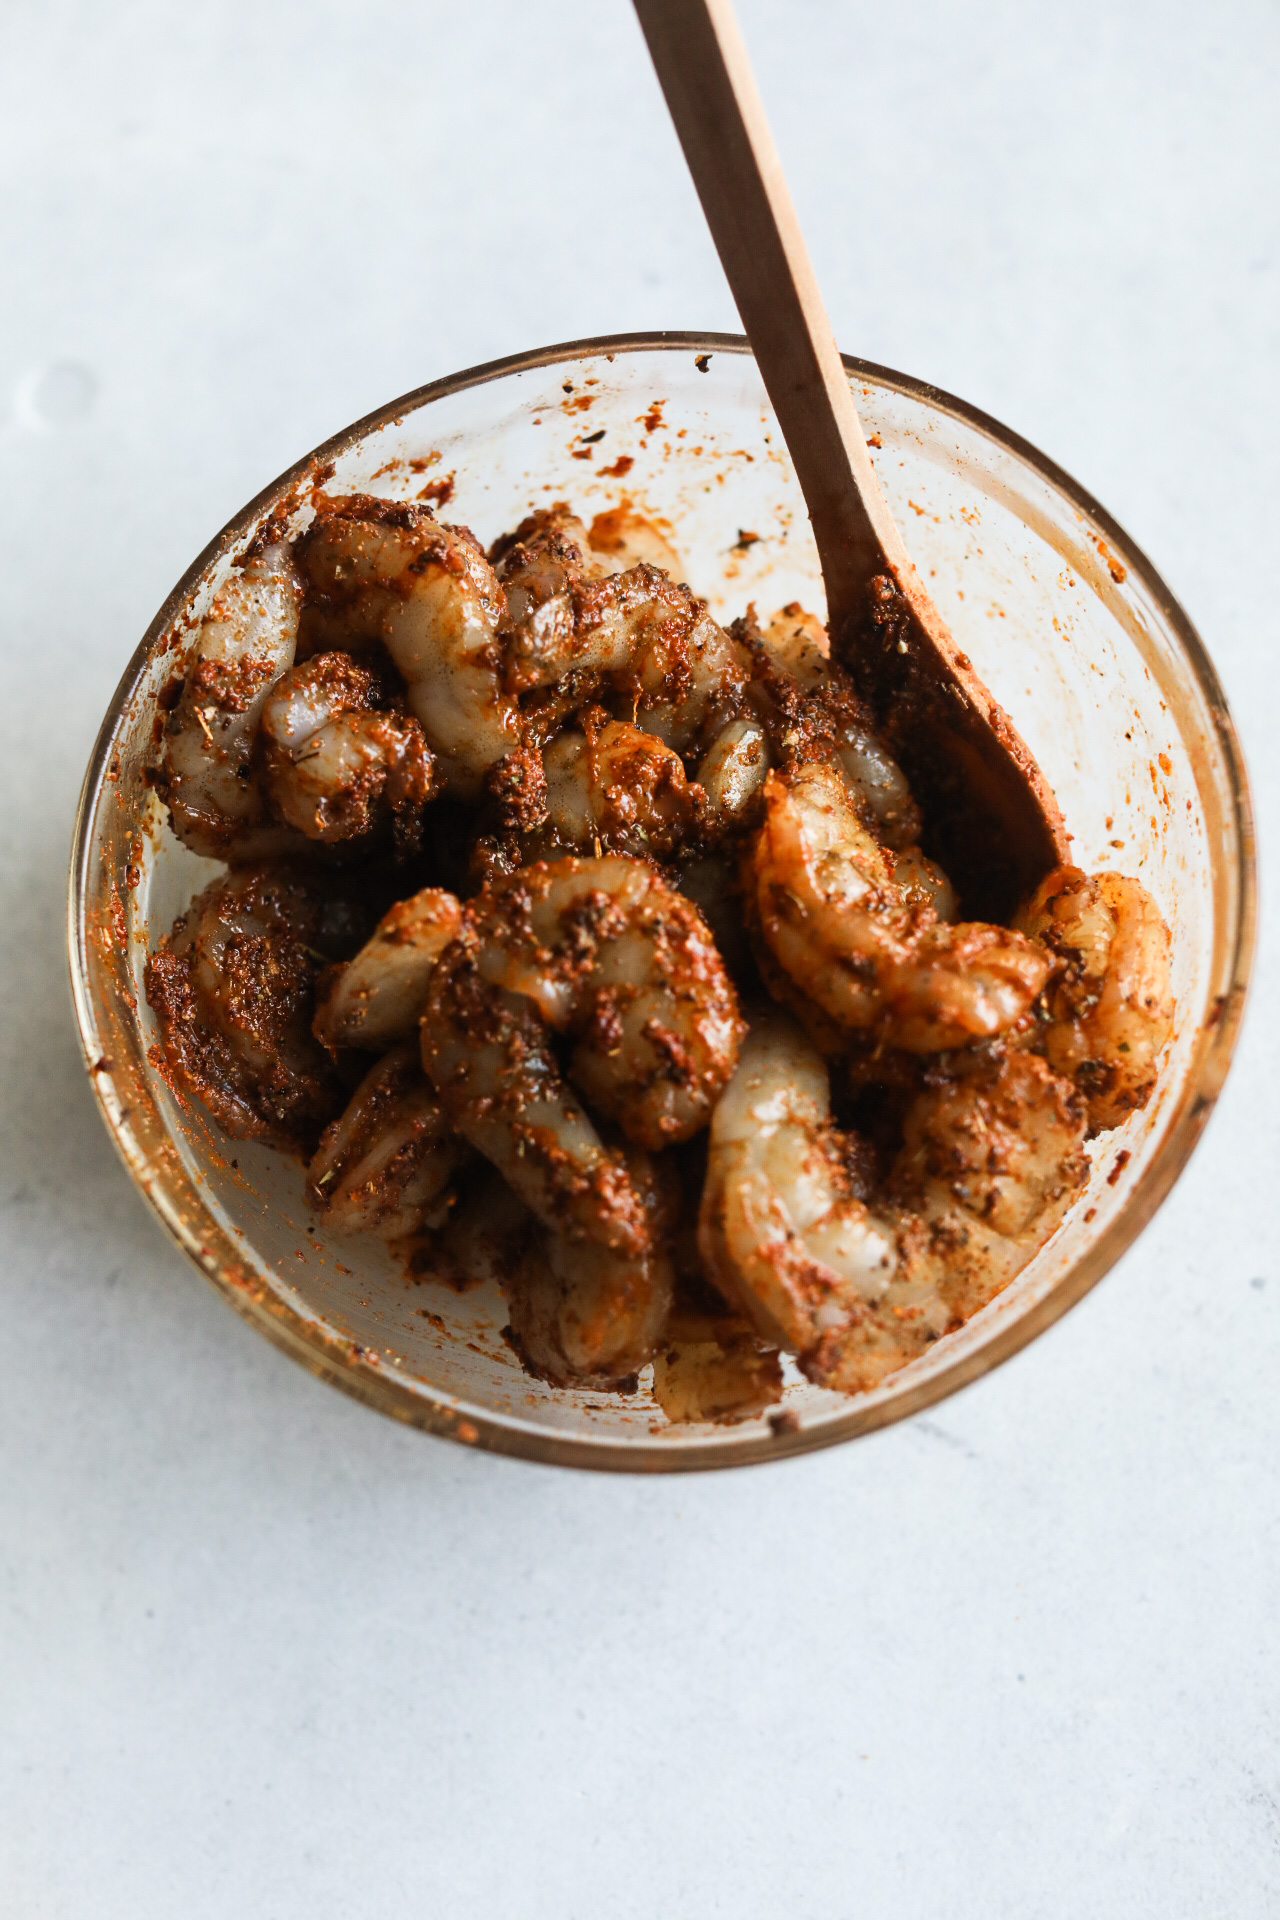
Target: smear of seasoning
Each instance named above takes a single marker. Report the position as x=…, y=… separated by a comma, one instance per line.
x=1115, y=568
x=438, y=491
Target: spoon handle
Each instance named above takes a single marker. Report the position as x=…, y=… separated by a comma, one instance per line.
x=705, y=74
x=950, y=734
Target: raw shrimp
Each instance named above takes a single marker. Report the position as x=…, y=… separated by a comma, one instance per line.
x=876, y=776
x=648, y=639
x=587, y=1315
x=732, y=772
x=612, y=786
x=781, y=1232
x=244, y=643
x=389, y=571
x=490, y=1058
x=858, y=1283
x=538, y=565
x=606, y=953
x=837, y=923
x=232, y=992
x=1109, y=1009
x=817, y=714
x=797, y=643
x=378, y=998
x=551, y=552
x=922, y=882
x=992, y=1157
x=334, y=763
x=991, y=1163
x=387, y=1161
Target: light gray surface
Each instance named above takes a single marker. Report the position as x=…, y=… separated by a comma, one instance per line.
x=262, y=1654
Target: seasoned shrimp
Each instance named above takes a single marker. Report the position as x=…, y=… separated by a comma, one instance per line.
x=992, y=1162
x=922, y=882
x=387, y=1161
x=877, y=778
x=781, y=1232
x=587, y=1315
x=612, y=786
x=797, y=643
x=837, y=923
x=551, y=552
x=539, y=565
x=732, y=772
x=334, y=763
x=817, y=714
x=992, y=1157
x=857, y=1283
x=378, y=998
x=389, y=571
x=649, y=640
x=606, y=953
x=232, y=992
x=490, y=1058
x=1110, y=1009
x=244, y=643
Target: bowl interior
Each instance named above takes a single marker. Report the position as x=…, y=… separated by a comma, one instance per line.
x=1069, y=626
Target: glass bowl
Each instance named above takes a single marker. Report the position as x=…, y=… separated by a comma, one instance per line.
x=1070, y=626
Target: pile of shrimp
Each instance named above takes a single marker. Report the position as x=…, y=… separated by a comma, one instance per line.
x=583, y=945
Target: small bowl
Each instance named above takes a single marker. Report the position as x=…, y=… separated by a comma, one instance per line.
x=1071, y=627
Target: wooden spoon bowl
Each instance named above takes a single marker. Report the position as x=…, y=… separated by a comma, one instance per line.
x=993, y=821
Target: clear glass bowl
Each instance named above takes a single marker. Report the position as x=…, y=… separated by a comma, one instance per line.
x=1070, y=626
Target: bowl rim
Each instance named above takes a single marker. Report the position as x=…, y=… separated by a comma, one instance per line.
x=358, y=1373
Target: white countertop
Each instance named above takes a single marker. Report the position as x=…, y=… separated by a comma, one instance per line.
x=265, y=1654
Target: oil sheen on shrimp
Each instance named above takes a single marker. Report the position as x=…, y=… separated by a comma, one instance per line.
x=607, y=954
x=1110, y=1008
x=244, y=643
x=868, y=954
x=386, y=1162
x=390, y=571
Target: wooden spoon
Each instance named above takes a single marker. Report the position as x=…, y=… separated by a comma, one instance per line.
x=993, y=821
